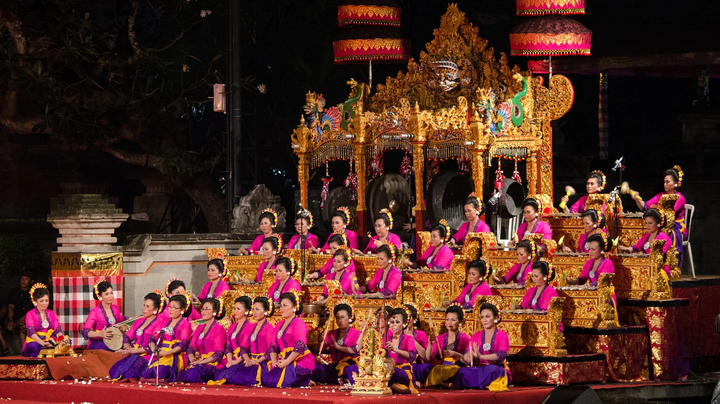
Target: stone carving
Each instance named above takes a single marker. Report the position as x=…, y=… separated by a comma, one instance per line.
x=250, y=206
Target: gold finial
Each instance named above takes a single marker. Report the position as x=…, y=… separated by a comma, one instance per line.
x=302, y=119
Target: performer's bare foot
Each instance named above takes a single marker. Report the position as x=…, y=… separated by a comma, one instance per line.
x=396, y=388
x=312, y=383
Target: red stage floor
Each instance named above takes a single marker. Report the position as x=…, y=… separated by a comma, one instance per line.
x=112, y=393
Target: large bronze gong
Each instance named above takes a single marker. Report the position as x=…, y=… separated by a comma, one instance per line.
x=381, y=192
x=446, y=196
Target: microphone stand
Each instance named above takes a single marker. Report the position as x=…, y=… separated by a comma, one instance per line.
x=303, y=239
x=620, y=169
x=157, y=353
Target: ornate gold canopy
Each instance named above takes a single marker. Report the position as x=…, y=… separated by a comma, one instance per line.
x=458, y=99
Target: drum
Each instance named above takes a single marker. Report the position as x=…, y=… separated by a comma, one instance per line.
x=115, y=342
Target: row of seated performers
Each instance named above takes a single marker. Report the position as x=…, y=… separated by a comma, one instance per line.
x=440, y=257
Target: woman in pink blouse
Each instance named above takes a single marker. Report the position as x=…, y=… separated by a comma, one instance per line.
x=173, y=340
x=255, y=348
x=592, y=224
x=387, y=279
x=43, y=326
x=449, y=347
x=136, y=342
x=271, y=246
x=538, y=297
x=438, y=256
x=216, y=273
x=654, y=222
x=344, y=344
x=176, y=287
x=292, y=362
x=285, y=268
x=342, y=274
x=339, y=222
x=478, y=274
x=473, y=210
x=594, y=185
x=526, y=252
x=486, y=357
x=267, y=223
x=597, y=264
x=207, y=346
x=237, y=334
x=336, y=241
x=383, y=225
x=304, y=240
x=401, y=349
x=104, y=315
x=533, y=224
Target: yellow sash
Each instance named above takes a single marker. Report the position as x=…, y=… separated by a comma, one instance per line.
x=407, y=368
x=168, y=360
x=344, y=362
x=501, y=383
x=284, y=354
x=44, y=335
x=440, y=373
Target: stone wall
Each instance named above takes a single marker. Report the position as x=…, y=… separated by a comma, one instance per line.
x=149, y=260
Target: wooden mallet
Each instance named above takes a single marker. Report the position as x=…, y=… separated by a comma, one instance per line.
x=569, y=191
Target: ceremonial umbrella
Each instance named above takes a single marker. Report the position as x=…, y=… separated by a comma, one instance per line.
x=550, y=36
x=370, y=32
x=548, y=7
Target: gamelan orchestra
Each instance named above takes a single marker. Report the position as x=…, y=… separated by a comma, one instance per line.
x=441, y=280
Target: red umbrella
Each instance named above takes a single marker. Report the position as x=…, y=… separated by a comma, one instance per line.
x=550, y=36
x=548, y=7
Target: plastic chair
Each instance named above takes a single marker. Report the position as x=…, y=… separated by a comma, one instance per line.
x=689, y=211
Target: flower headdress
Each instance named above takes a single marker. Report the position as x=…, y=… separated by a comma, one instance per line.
x=32, y=291
x=389, y=215
x=279, y=241
x=167, y=286
x=347, y=251
x=393, y=254
x=225, y=271
x=604, y=237
x=188, y=308
x=275, y=215
x=343, y=236
x=95, y=287
x=488, y=268
x=551, y=271
x=346, y=211
x=220, y=313
x=663, y=219
x=162, y=300
x=533, y=250
x=601, y=186
x=445, y=224
x=306, y=213
x=680, y=175
x=477, y=198
x=293, y=266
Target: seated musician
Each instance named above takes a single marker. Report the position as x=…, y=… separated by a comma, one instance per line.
x=271, y=246
x=438, y=255
x=237, y=334
x=449, y=347
x=341, y=273
x=538, y=297
x=176, y=287
x=473, y=210
x=672, y=180
x=267, y=223
x=336, y=241
x=526, y=254
x=533, y=224
x=654, y=222
x=478, y=275
x=339, y=221
x=207, y=345
x=171, y=359
x=592, y=224
x=216, y=273
x=136, y=342
x=420, y=337
x=598, y=244
x=104, y=315
x=387, y=279
x=401, y=349
x=43, y=326
x=304, y=240
x=486, y=356
x=383, y=225
x=594, y=185
x=344, y=344
x=285, y=268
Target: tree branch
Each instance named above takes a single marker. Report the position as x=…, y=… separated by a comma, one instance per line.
x=138, y=159
x=12, y=23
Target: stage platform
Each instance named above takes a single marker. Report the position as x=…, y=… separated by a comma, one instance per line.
x=100, y=392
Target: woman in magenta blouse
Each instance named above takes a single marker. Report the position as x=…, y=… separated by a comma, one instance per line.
x=438, y=256
x=526, y=251
x=237, y=334
x=592, y=224
x=654, y=222
x=341, y=273
x=478, y=274
x=43, y=326
x=303, y=224
x=343, y=344
x=336, y=241
x=538, y=297
x=594, y=185
x=173, y=341
x=104, y=315
x=339, y=222
x=207, y=346
x=473, y=210
x=136, y=342
x=285, y=268
x=383, y=225
x=216, y=273
x=533, y=224
x=387, y=279
x=486, y=358
x=267, y=223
